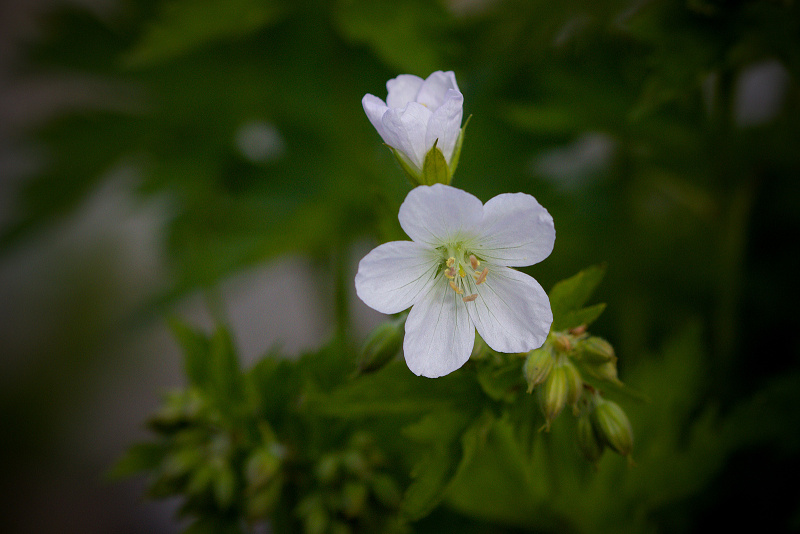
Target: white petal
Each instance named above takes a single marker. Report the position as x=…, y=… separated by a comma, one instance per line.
x=516, y=231
x=439, y=334
x=375, y=108
x=445, y=124
x=433, y=90
x=440, y=214
x=512, y=312
x=407, y=128
x=394, y=275
x=403, y=90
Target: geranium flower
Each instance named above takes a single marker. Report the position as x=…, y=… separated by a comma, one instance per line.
x=418, y=116
x=456, y=276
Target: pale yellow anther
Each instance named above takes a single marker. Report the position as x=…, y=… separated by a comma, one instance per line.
x=474, y=261
x=482, y=277
x=450, y=273
x=470, y=298
x=456, y=288
x=451, y=261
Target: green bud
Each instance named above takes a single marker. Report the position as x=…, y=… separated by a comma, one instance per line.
x=561, y=342
x=224, y=486
x=317, y=521
x=595, y=350
x=260, y=503
x=386, y=491
x=537, y=367
x=355, y=463
x=383, y=343
x=354, y=499
x=574, y=382
x=612, y=426
x=313, y=513
x=261, y=467
x=588, y=442
x=606, y=371
x=553, y=394
x=327, y=469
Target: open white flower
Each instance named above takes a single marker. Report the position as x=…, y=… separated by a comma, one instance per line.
x=456, y=273
x=418, y=113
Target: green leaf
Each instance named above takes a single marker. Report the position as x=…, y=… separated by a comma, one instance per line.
x=195, y=349
x=439, y=433
x=501, y=383
x=185, y=25
x=568, y=296
x=140, y=457
x=434, y=169
x=394, y=390
x=210, y=363
x=496, y=483
x=582, y=316
x=226, y=378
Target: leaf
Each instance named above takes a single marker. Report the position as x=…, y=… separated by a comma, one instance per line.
x=583, y=316
x=185, y=25
x=211, y=364
x=226, y=380
x=501, y=383
x=496, y=485
x=394, y=390
x=139, y=458
x=569, y=295
x=195, y=349
x=439, y=432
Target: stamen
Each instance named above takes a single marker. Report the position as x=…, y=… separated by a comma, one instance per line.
x=461, y=272
x=470, y=298
x=482, y=277
x=450, y=273
x=456, y=288
x=474, y=261
x=451, y=261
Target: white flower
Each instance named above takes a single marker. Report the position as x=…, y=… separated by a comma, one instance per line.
x=456, y=274
x=418, y=113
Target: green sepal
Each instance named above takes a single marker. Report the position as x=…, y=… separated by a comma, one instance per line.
x=411, y=171
x=434, y=168
x=457, y=149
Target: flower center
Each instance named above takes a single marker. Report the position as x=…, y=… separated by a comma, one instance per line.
x=464, y=273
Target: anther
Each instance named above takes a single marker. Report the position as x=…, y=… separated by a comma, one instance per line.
x=451, y=261
x=474, y=261
x=456, y=288
x=482, y=276
x=470, y=298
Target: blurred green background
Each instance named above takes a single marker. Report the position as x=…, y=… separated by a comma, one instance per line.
x=212, y=160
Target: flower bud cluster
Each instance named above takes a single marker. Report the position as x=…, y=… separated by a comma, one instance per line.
x=351, y=492
x=213, y=466
x=557, y=373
